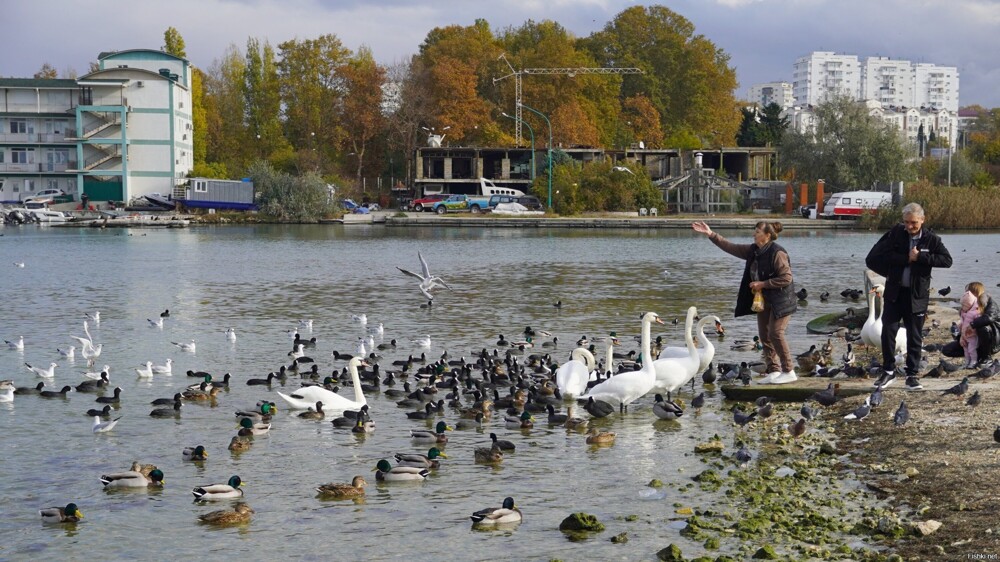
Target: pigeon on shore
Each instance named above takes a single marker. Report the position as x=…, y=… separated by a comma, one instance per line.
x=902, y=415
x=959, y=389
x=862, y=411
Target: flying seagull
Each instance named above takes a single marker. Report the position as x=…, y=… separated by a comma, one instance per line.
x=428, y=282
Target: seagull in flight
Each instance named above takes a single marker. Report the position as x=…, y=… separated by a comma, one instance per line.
x=428, y=282
x=95, y=316
x=623, y=169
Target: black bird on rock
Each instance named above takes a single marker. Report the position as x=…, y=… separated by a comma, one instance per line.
x=944, y=292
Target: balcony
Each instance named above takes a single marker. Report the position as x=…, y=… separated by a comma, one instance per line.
x=34, y=138
x=36, y=167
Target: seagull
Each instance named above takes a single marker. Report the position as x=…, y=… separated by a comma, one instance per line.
x=163, y=369
x=307, y=324
x=17, y=345
x=104, y=427
x=96, y=316
x=377, y=330
x=360, y=318
x=423, y=342
x=902, y=415
x=158, y=323
x=69, y=353
x=623, y=169
x=428, y=282
x=231, y=334
x=19, y=264
x=96, y=375
x=297, y=352
x=188, y=347
x=47, y=373
x=145, y=372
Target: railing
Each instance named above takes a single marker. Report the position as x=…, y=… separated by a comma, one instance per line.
x=38, y=167
x=32, y=138
x=104, y=156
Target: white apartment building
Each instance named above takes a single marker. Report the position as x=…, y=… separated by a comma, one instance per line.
x=772, y=92
x=935, y=86
x=823, y=74
x=941, y=122
x=888, y=81
x=115, y=134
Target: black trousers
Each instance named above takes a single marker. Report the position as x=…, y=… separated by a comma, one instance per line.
x=894, y=314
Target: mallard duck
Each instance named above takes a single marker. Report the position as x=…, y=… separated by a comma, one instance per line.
x=220, y=491
x=68, y=514
x=144, y=469
x=426, y=436
x=202, y=393
x=502, y=444
x=388, y=473
x=666, y=409
x=249, y=428
x=421, y=461
x=194, y=453
x=314, y=415
x=471, y=424
x=747, y=345
x=524, y=421
x=574, y=422
x=507, y=513
x=353, y=490
x=598, y=437
x=363, y=425
x=488, y=455
x=239, y=514
x=133, y=479
x=240, y=443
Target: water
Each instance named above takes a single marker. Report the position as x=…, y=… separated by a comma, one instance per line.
x=262, y=280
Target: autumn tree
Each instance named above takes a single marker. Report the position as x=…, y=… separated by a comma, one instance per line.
x=362, y=117
x=849, y=148
x=228, y=141
x=687, y=78
x=406, y=107
x=47, y=72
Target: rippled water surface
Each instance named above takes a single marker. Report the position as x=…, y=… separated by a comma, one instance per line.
x=262, y=280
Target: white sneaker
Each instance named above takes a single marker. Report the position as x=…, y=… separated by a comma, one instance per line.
x=769, y=378
x=785, y=378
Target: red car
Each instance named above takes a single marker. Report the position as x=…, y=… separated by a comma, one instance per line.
x=426, y=203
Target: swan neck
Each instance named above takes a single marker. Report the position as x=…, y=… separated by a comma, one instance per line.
x=359, y=396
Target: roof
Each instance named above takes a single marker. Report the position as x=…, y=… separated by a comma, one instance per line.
x=37, y=83
x=159, y=54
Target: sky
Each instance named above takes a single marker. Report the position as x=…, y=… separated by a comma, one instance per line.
x=762, y=37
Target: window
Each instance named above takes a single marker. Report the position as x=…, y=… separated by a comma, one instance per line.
x=200, y=187
x=52, y=184
x=1, y=156
x=22, y=156
x=19, y=126
x=55, y=126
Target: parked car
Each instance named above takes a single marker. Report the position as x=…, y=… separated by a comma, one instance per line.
x=427, y=202
x=45, y=196
x=453, y=203
x=529, y=202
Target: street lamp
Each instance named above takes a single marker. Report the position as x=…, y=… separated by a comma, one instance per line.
x=532, y=133
x=549, y=123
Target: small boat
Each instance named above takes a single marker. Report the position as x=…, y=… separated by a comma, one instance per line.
x=161, y=201
x=34, y=212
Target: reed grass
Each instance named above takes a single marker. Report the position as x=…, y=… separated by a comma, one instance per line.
x=945, y=208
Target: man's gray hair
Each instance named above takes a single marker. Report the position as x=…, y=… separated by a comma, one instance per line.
x=913, y=210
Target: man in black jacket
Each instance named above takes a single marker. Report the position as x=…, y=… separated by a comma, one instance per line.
x=905, y=256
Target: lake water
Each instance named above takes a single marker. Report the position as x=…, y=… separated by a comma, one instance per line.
x=262, y=280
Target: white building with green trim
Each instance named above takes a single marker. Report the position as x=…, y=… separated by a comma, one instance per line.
x=116, y=134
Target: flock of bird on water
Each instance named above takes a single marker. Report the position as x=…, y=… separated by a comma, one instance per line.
x=537, y=385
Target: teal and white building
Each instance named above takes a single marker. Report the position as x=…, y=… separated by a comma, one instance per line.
x=116, y=134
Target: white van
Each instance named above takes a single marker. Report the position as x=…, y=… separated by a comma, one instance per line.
x=852, y=204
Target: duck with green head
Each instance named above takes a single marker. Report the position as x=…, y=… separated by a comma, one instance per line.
x=427, y=436
x=133, y=479
x=68, y=514
x=524, y=421
x=194, y=453
x=248, y=428
x=505, y=514
x=385, y=472
x=430, y=460
x=231, y=489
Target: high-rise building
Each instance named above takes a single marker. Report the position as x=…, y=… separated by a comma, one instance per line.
x=935, y=86
x=120, y=132
x=772, y=92
x=821, y=75
x=887, y=81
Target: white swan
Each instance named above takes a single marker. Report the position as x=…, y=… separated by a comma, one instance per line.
x=625, y=388
x=573, y=375
x=706, y=352
x=876, y=329
x=305, y=398
x=672, y=373
x=871, y=332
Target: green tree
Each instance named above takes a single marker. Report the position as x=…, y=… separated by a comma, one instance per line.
x=173, y=43
x=262, y=103
x=364, y=82
x=849, y=148
x=228, y=140
x=751, y=131
x=287, y=198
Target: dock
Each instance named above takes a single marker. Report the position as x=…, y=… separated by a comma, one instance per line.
x=137, y=221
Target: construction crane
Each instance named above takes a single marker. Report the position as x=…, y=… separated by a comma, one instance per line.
x=571, y=72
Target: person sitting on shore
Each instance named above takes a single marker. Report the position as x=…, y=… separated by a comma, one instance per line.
x=987, y=327
x=969, y=339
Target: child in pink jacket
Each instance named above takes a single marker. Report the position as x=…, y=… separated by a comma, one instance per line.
x=969, y=339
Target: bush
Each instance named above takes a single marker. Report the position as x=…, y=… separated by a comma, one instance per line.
x=287, y=198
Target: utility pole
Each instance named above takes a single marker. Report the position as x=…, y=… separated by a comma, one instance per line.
x=571, y=72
